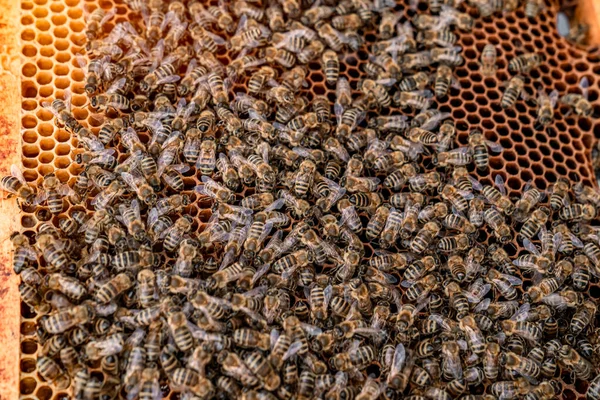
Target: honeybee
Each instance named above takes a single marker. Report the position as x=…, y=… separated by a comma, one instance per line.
x=479, y=145
x=546, y=104
x=535, y=222
x=531, y=197
x=64, y=320
x=23, y=252
x=572, y=360
x=140, y=187
x=498, y=196
x=583, y=316
x=579, y=102
x=496, y=221
x=16, y=184
x=488, y=60
x=575, y=212
x=111, y=99
x=514, y=90
x=96, y=20
x=53, y=251
x=525, y=63
x=459, y=242
x=581, y=272
x=417, y=99
x=507, y=389
x=504, y=283
x=458, y=198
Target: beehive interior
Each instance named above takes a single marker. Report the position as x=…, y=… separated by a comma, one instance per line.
x=53, y=34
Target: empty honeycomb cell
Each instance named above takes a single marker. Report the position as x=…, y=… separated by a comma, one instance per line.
x=42, y=25
x=45, y=63
x=30, y=163
x=568, y=394
x=57, y=7
x=27, y=365
x=28, y=346
x=27, y=385
x=29, y=51
x=40, y=12
x=77, y=75
x=27, y=221
x=58, y=20
x=47, y=144
x=30, y=137
x=45, y=129
x=61, y=32
x=61, y=45
x=63, y=57
x=514, y=183
x=28, y=89
x=43, y=78
x=29, y=105
x=76, y=26
x=47, y=51
x=44, y=393
x=62, y=83
x=46, y=91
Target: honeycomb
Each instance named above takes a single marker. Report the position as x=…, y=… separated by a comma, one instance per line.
x=52, y=34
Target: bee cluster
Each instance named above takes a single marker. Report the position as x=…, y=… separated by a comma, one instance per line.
x=277, y=295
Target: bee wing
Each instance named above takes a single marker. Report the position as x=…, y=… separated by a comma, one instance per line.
x=310, y=329
x=67, y=95
x=81, y=62
x=328, y=293
x=500, y=184
x=109, y=14
x=47, y=105
x=477, y=298
x=274, y=337
x=483, y=305
x=266, y=231
x=152, y=216
x=460, y=150
x=292, y=350
x=553, y=98
x=16, y=172
x=556, y=300
x=347, y=213
x=118, y=84
x=513, y=280
x=387, y=82
x=216, y=38
x=332, y=252
x=407, y=283
x=168, y=79
x=260, y=272
x=276, y=205
x=181, y=168
x=65, y=190
x=530, y=247
x=495, y=147
x=398, y=360
x=576, y=241
x=584, y=84
x=41, y=196
x=522, y=313
x=275, y=239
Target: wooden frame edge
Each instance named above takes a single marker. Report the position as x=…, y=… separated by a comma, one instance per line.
x=10, y=153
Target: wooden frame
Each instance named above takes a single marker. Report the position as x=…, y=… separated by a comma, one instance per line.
x=10, y=153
